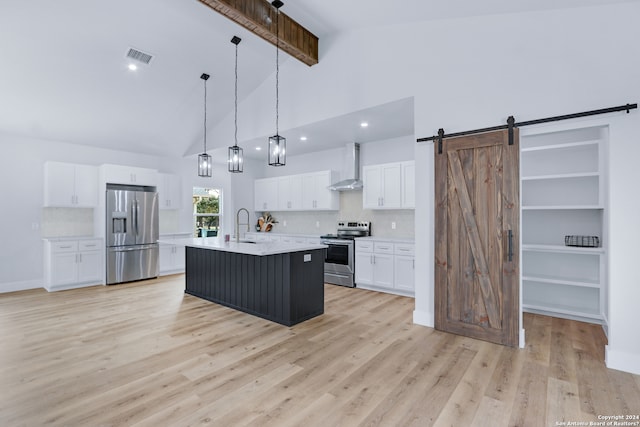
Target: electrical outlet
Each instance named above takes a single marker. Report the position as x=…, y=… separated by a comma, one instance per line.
x=393, y=225
x=284, y=223
x=317, y=224
x=35, y=225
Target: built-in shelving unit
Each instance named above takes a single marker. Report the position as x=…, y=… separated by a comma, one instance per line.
x=563, y=179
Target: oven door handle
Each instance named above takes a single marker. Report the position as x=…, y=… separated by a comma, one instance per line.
x=336, y=242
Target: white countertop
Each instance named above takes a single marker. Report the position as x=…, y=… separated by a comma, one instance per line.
x=258, y=248
x=386, y=239
x=70, y=238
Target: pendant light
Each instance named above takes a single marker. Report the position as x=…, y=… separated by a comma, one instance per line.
x=235, y=153
x=204, y=160
x=277, y=143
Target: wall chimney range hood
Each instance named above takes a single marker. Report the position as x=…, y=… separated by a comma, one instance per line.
x=351, y=170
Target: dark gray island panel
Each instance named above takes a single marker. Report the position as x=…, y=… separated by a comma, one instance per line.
x=283, y=288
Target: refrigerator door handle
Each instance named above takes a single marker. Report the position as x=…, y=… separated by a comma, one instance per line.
x=137, y=216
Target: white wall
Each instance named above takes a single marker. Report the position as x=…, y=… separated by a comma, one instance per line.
x=475, y=72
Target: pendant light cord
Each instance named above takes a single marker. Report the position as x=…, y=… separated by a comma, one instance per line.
x=277, y=66
x=205, y=116
x=236, y=102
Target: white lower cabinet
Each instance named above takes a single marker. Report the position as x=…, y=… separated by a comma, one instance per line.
x=404, y=267
x=385, y=266
x=73, y=263
x=172, y=257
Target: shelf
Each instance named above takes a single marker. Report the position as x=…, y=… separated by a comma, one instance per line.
x=569, y=313
x=560, y=207
x=562, y=249
x=560, y=146
x=584, y=283
x=561, y=176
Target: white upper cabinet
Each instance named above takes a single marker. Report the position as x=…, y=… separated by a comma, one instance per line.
x=296, y=193
x=169, y=191
x=290, y=193
x=408, y=184
x=316, y=195
x=70, y=185
x=266, y=194
x=389, y=186
x=118, y=174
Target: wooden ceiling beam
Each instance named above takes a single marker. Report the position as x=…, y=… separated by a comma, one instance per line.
x=259, y=17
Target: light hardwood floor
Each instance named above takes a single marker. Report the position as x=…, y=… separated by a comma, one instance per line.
x=147, y=354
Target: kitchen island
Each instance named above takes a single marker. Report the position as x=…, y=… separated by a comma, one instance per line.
x=281, y=282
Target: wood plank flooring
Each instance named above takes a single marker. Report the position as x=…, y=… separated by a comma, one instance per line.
x=146, y=354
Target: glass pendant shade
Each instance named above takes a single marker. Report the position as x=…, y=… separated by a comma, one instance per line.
x=204, y=165
x=235, y=159
x=277, y=150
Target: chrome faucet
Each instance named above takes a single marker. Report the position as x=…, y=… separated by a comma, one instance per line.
x=238, y=223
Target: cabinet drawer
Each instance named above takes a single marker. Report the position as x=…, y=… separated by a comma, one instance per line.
x=90, y=245
x=383, y=248
x=59, y=247
x=364, y=246
x=404, y=249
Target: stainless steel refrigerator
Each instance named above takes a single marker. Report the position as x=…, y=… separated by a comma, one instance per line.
x=132, y=233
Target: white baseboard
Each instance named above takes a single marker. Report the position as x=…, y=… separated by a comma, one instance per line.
x=22, y=285
x=622, y=361
x=424, y=318
x=72, y=286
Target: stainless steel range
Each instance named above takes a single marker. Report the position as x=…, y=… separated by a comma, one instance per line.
x=339, y=264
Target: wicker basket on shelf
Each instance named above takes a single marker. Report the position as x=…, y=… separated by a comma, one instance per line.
x=582, y=241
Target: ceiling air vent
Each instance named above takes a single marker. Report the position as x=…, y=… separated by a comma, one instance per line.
x=139, y=56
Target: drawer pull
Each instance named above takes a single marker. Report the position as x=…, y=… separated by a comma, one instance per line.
x=65, y=247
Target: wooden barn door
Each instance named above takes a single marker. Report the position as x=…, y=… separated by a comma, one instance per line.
x=476, y=237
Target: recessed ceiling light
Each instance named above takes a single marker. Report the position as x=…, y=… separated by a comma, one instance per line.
x=364, y=124
x=132, y=67
x=303, y=138
x=258, y=148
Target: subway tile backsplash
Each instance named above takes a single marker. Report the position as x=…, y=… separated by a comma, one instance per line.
x=67, y=222
x=350, y=209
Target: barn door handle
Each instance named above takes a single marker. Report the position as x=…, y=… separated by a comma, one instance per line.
x=510, y=246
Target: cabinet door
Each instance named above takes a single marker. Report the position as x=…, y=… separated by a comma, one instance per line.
x=169, y=191
x=265, y=194
x=383, y=270
x=364, y=268
x=179, y=257
x=408, y=185
x=59, y=181
x=118, y=174
x=325, y=198
x=404, y=273
x=295, y=195
x=64, y=268
x=284, y=193
x=86, y=186
x=308, y=192
x=372, y=191
x=391, y=186
x=165, y=260
x=89, y=264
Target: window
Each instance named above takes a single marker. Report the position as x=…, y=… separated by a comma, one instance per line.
x=206, y=211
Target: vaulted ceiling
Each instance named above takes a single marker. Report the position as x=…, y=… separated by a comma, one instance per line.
x=64, y=73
